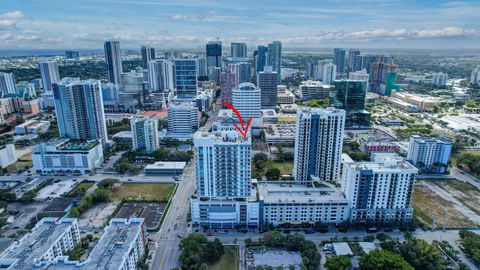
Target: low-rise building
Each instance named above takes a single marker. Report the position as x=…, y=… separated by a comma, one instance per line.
x=8, y=155
x=64, y=156
x=423, y=102
x=280, y=133
x=32, y=127
x=165, y=168
x=314, y=90
x=429, y=154
x=369, y=147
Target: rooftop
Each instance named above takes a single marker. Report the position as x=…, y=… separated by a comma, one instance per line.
x=222, y=136
x=166, y=165
x=289, y=192
x=277, y=258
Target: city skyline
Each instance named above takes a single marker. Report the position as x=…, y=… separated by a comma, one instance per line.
x=50, y=24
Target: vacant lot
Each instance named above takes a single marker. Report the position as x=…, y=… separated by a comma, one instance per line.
x=228, y=261
x=143, y=191
x=85, y=185
x=23, y=163
x=466, y=193
x=431, y=206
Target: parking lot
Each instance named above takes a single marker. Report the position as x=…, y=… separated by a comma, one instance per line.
x=56, y=189
x=152, y=212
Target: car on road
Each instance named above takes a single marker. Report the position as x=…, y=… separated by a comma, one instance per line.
x=179, y=236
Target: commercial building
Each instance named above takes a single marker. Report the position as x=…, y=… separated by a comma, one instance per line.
x=430, y=155
x=318, y=144
x=50, y=74
x=314, y=90
x=182, y=118
x=246, y=98
x=32, y=127
x=282, y=203
x=79, y=109
x=7, y=84
x=350, y=96
x=267, y=81
x=227, y=83
x=423, y=102
x=214, y=54
x=275, y=57
x=186, y=78
x=260, y=57
x=352, y=59
x=148, y=54
x=165, y=168
x=276, y=133
x=113, y=57
x=238, y=50
x=339, y=59
x=440, y=79
x=72, y=55
x=63, y=156
x=160, y=75
x=145, y=134
x=379, y=191
x=360, y=75
x=284, y=96
x=8, y=155
x=369, y=147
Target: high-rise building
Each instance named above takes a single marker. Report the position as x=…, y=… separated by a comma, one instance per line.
x=182, y=118
x=148, y=54
x=247, y=99
x=440, y=79
x=267, y=81
x=318, y=144
x=214, y=54
x=113, y=57
x=202, y=68
x=7, y=84
x=314, y=90
x=381, y=75
x=326, y=71
x=475, y=77
x=72, y=55
x=260, y=58
x=379, y=191
x=24, y=89
x=214, y=74
x=363, y=61
x=238, y=50
x=360, y=75
x=49, y=73
x=352, y=58
x=145, y=134
x=186, y=78
x=275, y=57
x=339, y=59
x=430, y=155
x=350, y=95
x=160, y=75
x=242, y=72
x=227, y=83
x=79, y=109
x=310, y=71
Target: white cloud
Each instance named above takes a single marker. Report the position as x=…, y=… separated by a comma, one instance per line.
x=12, y=15
x=6, y=24
x=198, y=17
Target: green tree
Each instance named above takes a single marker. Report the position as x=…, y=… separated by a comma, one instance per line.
x=107, y=183
x=101, y=195
x=273, y=174
x=273, y=238
x=338, y=263
x=383, y=260
x=422, y=255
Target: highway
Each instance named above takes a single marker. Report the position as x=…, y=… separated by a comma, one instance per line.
x=167, y=253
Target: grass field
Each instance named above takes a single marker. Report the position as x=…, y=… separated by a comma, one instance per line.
x=466, y=193
x=429, y=206
x=229, y=260
x=285, y=167
x=143, y=191
x=85, y=185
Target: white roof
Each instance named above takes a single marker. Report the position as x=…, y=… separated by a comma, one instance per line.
x=342, y=249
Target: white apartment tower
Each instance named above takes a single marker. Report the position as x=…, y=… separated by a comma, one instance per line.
x=145, y=135
x=49, y=73
x=318, y=144
x=160, y=75
x=7, y=84
x=223, y=162
x=379, y=191
x=182, y=118
x=430, y=155
x=247, y=99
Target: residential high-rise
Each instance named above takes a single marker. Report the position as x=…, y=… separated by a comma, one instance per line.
x=72, y=55
x=440, y=79
x=339, y=59
x=214, y=74
x=238, y=50
x=202, y=68
x=475, y=77
x=49, y=73
x=227, y=83
x=379, y=191
x=7, y=84
x=326, y=72
x=275, y=57
x=214, y=54
x=267, y=81
x=24, y=89
x=260, y=58
x=352, y=59
x=79, y=109
x=160, y=75
x=350, y=95
x=247, y=99
x=182, y=118
x=363, y=61
x=381, y=76
x=186, y=77
x=430, y=155
x=113, y=57
x=145, y=134
x=318, y=144
x=360, y=75
x=148, y=54
x=241, y=71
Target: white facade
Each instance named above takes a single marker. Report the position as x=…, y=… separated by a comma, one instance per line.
x=379, y=191
x=246, y=98
x=7, y=84
x=182, y=118
x=8, y=155
x=160, y=75
x=475, y=77
x=429, y=153
x=360, y=75
x=145, y=135
x=218, y=213
x=326, y=71
x=314, y=90
x=63, y=157
x=318, y=144
x=32, y=127
x=50, y=74
x=440, y=79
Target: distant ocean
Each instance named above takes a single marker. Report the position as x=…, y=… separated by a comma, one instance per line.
x=24, y=53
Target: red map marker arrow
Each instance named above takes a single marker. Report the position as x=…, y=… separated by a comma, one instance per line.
x=243, y=130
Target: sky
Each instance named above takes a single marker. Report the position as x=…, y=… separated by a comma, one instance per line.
x=86, y=24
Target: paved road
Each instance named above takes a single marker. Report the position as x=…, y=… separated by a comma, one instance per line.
x=175, y=223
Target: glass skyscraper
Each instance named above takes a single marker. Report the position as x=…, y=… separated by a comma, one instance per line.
x=186, y=77
x=113, y=57
x=214, y=54
x=275, y=57
x=350, y=96
x=339, y=59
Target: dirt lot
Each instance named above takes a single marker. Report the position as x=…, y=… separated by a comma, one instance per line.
x=96, y=216
x=452, y=202
x=143, y=191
